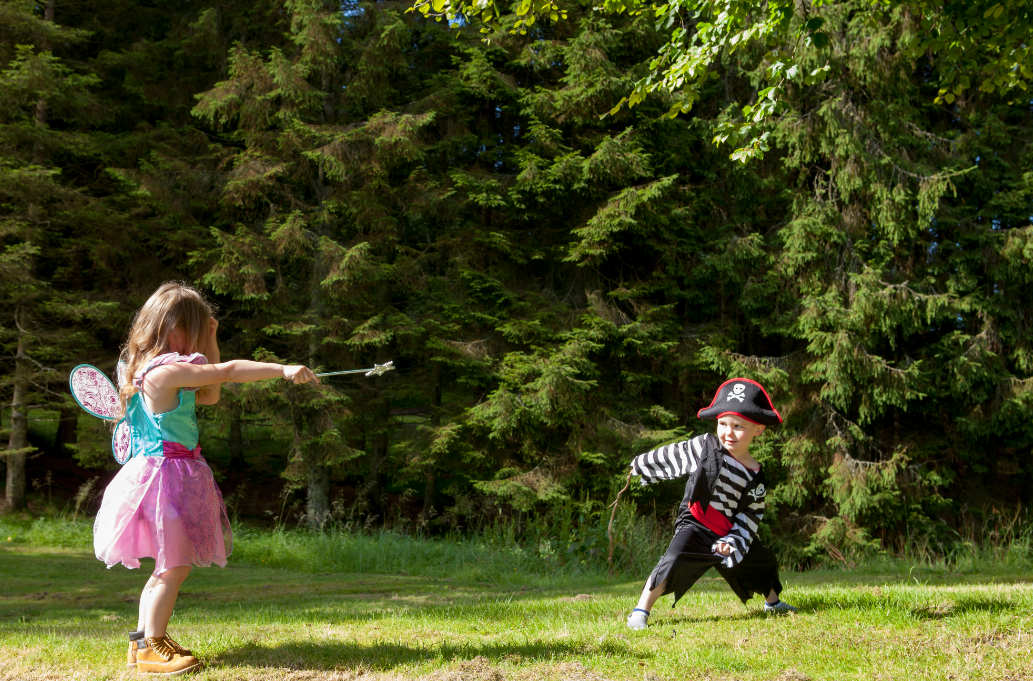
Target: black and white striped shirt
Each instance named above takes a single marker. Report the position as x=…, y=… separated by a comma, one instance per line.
x=681, y=458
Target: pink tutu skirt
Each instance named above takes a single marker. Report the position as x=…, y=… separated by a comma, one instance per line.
x=168, y=509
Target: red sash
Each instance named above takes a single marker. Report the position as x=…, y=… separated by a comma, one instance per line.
x=174, y=450
x=713, y=520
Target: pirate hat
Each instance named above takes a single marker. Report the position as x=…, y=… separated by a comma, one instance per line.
x=745, y=398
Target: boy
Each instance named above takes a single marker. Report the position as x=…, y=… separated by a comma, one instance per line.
x=723, y=504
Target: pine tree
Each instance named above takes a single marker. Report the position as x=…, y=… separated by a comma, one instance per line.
x=560, y=285
x=40, y=322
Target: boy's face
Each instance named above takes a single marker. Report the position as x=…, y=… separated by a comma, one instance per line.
x=736, y=434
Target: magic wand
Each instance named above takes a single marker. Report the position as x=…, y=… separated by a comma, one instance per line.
x=377, y=370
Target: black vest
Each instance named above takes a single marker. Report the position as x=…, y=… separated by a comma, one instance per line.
x=703, y=481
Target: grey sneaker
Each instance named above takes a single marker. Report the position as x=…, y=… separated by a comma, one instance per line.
x=778, y=608
x=637, y=619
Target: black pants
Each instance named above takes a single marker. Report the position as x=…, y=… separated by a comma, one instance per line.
x=689, y=556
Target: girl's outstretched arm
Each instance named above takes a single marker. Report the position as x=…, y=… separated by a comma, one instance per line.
x=183, y=375
x=161, y=387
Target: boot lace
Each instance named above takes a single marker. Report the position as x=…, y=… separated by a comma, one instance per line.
x=162, y=647
x=175, y=646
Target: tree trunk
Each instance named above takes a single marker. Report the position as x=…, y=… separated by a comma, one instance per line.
x=18, y=444
x=318, y=496
x=15, y=489
x=237, y=460
x=428, y=494
x=318, y=504
x=41, y=103
x=378, y=445
x=378, y=456
x=435, y=422
x=67, y=429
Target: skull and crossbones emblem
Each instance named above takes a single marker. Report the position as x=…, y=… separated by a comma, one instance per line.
x=738, y=393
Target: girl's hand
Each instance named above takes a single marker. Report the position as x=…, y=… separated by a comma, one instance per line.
x=299, y=374
x=211, y=351
x=723, y=549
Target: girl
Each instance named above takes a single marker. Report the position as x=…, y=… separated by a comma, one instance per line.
x=723, y=504
x=164, y=503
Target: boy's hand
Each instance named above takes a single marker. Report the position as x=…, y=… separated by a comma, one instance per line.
x=299, y=374
x=723, y=549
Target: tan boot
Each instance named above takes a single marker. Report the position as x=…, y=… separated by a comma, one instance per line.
x=135, y=642
x=178, y=648
x=138, y=643
x=160, y=657
x=131, y=655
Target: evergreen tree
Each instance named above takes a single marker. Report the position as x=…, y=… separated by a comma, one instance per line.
x=561, y=285
x=44, y=221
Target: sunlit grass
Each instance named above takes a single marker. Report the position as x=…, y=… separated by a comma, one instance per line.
x=62, y=615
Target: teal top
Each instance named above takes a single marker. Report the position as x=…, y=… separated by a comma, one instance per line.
x=150, y=430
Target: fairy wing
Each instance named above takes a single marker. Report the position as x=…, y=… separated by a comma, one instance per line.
x=94, y=392
x=122, y=442
x=97, y=395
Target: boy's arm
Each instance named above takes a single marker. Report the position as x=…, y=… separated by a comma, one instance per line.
x=744, y=530
x=668, y=462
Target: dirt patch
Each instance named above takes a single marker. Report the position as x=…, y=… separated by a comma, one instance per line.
x=792, y=675
x=934, y=612
x=481, y=669
x=477, y=669
x=579, y=597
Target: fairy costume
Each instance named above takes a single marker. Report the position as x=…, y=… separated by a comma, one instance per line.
x=164, y=503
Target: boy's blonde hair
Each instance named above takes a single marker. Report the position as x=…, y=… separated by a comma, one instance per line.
x=174, y=305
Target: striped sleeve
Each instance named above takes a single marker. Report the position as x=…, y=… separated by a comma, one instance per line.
x=743, y=532
x=668, y=462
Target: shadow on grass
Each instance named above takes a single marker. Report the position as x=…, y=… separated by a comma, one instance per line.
x=961, y=606
x=385, y=656
x=951, y=606
x=687, y=618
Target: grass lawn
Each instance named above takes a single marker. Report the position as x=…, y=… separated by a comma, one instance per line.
x=63, y=615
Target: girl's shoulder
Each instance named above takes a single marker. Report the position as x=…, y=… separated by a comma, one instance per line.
x=172, y=357
x=168, y=358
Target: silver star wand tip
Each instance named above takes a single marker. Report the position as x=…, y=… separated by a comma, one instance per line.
x=381, y=369
x=377, y=370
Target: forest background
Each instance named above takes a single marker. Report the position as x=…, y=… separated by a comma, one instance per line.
x=561, y=286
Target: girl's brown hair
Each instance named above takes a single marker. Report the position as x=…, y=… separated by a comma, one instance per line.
x=174, y=305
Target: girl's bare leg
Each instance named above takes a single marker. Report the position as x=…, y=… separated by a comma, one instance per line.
x=145, y=599
x=772, y=597
x=162, y=600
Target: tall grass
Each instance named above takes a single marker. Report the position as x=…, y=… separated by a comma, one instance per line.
x=502, y=551
x=567, y=541
x=48, y=531
x=1001, y=542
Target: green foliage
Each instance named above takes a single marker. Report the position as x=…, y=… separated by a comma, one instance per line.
x=984, y=42
x=560, y=284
